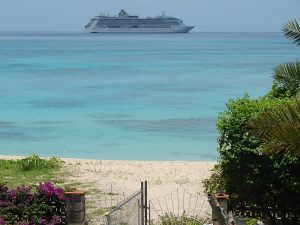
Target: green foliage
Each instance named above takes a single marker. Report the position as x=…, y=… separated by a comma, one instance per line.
x=233, y=123
x=30, y=171
x=287, y=79
x=268, y=184
x=292, y=30
x=35, y=162
x=250, y=221
x=171, y=219
x=262, y=181
x=279, y=128
x=214, y=183
x=278, y=91
x=287, y=76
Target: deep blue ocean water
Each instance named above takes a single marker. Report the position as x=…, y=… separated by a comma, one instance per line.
x=137, y=97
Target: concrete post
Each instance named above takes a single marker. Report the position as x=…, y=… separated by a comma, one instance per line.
x=108, y=222
x=222, y=201
x=75, y=208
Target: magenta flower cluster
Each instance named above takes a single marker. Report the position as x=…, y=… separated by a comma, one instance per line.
x=2, y=222
x=42, y=205
x=55, y=220
x=49, y=190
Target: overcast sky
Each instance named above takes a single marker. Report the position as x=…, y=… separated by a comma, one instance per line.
x=206, y=15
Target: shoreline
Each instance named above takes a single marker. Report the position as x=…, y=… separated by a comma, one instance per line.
x=111, y=160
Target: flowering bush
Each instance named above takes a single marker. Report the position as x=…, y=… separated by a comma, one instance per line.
x=43, y=204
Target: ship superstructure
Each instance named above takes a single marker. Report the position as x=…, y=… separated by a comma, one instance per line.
x=125, y=23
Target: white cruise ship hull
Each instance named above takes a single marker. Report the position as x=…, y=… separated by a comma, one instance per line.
x=139, y=30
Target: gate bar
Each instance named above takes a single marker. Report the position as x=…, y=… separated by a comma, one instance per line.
x=149, y=213
x=142, y=203
x=146, y=201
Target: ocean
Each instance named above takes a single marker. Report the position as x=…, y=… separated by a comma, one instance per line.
x=128, y=96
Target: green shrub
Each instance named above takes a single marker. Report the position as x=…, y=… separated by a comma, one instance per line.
x=266, y=183
x=35, y=162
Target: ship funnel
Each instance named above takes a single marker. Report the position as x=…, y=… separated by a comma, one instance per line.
x=123, y=13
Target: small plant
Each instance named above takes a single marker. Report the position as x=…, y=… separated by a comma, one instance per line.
x=171, y=219
x=250, y=221
x=214, y=183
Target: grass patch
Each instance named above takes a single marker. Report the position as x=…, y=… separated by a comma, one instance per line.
x=99, y=212
x=30, y=170
x=112, y=194
x=171, y=219
x=250, y=221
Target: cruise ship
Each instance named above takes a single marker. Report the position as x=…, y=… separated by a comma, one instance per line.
x=125, y=23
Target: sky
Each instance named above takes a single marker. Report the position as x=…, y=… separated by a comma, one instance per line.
x=206, y=15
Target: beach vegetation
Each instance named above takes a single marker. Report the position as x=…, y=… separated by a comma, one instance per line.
x=214, y=183
x=261, y=181
x=30, y=170
x=286, y=82
x=98, y=212
x=250, y=221
x=171, y=219
x=259, y=162
x=279, y=128
x=291, y=30
x=35, y=162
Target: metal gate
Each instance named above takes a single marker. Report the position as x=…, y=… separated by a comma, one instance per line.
x=179, y=207
x=132, y=211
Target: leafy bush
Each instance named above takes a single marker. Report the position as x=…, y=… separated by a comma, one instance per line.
x=266, y=185
x=26, y=205
x=263, y=182
x=35, y=162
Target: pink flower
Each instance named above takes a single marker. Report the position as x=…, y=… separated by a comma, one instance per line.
x=42, y=221
x=23, y=223
x=56, y=219
x=13, y=194
x=22, y=193
x=3, y=203
x=2, y=221
x=50, y=190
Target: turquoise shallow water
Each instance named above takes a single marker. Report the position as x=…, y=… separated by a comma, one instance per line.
x=137, y=97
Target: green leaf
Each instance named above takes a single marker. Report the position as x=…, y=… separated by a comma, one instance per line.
x=279, y=128
x=291, y=29
x=288, y=76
